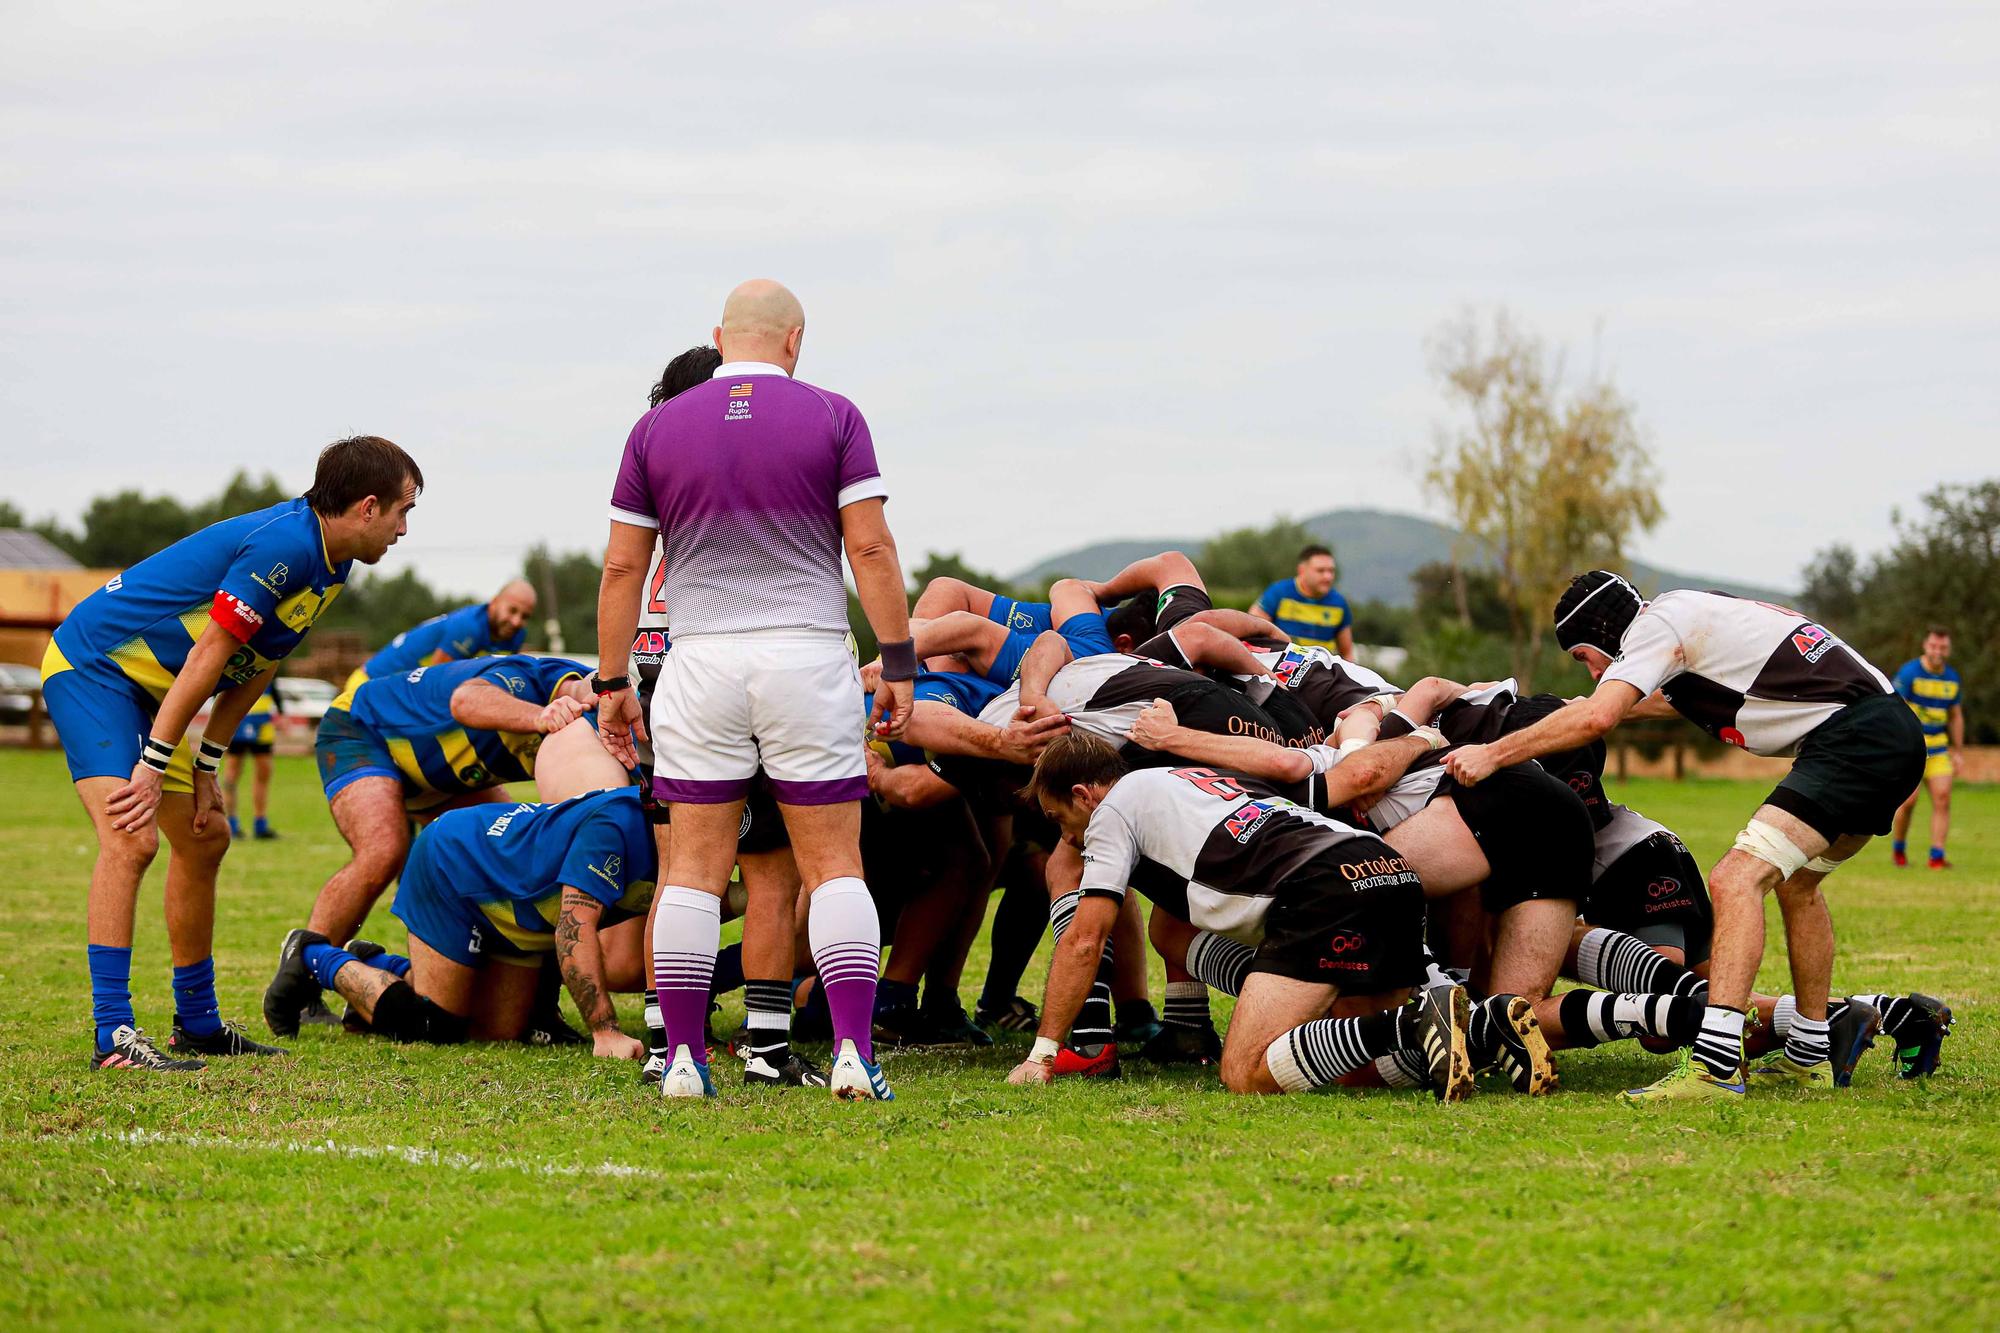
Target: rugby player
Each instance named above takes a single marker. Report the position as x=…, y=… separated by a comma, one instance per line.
x=409, y=747
x=484, y=629
x=1308, y=607
x=256, y=736
x=760, y=673
x=128, y=670
x=1930, y=685
x=1773, y=682
x=487, y=895
x=1330, y=910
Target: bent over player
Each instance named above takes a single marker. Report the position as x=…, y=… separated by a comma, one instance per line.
x=1773, y=682
x=755, y=482
x=125, y=675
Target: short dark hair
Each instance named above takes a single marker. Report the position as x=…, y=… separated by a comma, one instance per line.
x=1941, y=631
x=1076, y=759
x=1313, y=552
x=357, y=467
x=694, y=366
x=1136, y=616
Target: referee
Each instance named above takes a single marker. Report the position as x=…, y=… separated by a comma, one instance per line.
x=755, y=482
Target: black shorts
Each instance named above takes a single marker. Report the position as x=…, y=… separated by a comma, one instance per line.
x=251, y=747
x=906, y=851
x=1537, y=836
x=1656, y=892
x=763, y=826
x=1178, y=603
x=1854, y=769
x=1352, y=917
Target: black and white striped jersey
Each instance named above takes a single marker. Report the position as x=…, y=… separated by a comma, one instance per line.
x=1105, y=694
x=1210, y=846
x=1746, y=672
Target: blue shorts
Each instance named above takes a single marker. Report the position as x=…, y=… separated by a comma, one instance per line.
x=1087, y=635
x=446, y=922
x=1034, y=617
x=103, y=727
x=1007, y=662
x=348, y=751
x=255, y=734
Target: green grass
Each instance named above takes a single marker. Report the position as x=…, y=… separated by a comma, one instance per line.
x=471, y=1186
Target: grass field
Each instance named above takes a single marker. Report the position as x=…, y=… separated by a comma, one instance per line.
x=359, y=1183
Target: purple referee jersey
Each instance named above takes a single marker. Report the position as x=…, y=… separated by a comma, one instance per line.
x=745, y=478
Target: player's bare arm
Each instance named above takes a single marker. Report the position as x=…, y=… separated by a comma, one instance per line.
x=1375, y=768
x=580, y=955
x=906, y=786
x=1209, y=648
x=878, y=584
x=1159, y=728
x=1071, y=971
x=1579, y=723
x=619, y=593
x=1238, y=624
x=942, y=728
x=132, y=806
x=486, y=706
x=959, y=632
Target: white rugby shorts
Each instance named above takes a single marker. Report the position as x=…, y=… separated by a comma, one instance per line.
x=786, y=699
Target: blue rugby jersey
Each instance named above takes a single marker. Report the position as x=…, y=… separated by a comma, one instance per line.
x=264, y=576
x=412, y=714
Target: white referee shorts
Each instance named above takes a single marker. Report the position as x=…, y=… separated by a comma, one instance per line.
x=786, y=699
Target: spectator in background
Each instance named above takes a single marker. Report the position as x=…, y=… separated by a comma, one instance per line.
x=1306, y=606
x=1930, y=686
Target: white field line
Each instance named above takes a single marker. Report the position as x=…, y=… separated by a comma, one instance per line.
x=450, y=1161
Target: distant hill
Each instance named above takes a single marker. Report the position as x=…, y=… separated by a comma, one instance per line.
x=1378, y=551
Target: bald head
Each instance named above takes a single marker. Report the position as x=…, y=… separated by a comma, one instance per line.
x=762, y=321
x=510, y=609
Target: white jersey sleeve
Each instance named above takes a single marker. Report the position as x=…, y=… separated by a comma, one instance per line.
x=1650, y=654
x=1110, y=851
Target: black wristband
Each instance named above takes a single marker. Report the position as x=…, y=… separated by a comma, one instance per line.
x=208, y=756
x=899, y=660
x=599, y=685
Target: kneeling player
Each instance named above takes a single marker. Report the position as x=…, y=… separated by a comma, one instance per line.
x=487, y=894
x=1331, y=910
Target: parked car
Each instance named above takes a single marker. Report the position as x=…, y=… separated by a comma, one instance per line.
x=305, y=697
x=19, y=685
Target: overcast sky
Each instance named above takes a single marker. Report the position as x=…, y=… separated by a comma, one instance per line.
x=1120, y=271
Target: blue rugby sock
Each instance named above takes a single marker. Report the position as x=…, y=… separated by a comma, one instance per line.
x=263, y=825
x=1937, y=853
x=1898, y=847
x=393, y=963
x=324, y=961
x=194, y=998
x=110, y=990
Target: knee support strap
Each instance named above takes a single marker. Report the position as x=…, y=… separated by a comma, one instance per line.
x=404, y=1015
x=1769, y=845
x=1825, y=865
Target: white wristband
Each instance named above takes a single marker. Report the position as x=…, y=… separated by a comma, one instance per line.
x=1044, y=1051
x=208, y=756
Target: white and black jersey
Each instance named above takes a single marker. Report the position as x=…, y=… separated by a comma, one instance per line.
x=1324, y=682
x=1623, y=829
x=1474, y=718
x=1746, y=672
x=1212, y=847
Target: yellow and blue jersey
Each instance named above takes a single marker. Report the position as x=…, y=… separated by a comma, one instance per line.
x=409, y=718
x=510, y=864
x=265, y=577
x=1315, y=622
x=960, y=690
x=453, y=637
x=1931, y=696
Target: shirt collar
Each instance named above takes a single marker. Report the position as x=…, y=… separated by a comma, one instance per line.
x=731, y=369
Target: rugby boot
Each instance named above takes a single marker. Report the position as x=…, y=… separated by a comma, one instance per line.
x=794, y=1071
x=229, y=1039
x=1852, y=1031
x=857, y=1080
x=1689, y=1081
x=1443, y=1015
x=293, y=988
x=1099, y=1061
x=131, y=1049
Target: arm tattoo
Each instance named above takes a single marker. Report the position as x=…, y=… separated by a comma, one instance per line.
x=582, y=975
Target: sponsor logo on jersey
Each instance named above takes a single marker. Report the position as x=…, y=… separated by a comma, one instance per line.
x=1731, y=736
x=236, y=614
x=499, y=826
x=1246, y=819
x=117, y=582
x=1812, y=642
x=475, y=941
x=1660, y=888
x=1341, y=944
x=742, y=390
x=739, y=401
x=1373, y=867
x=275, y=580
x=613, y=866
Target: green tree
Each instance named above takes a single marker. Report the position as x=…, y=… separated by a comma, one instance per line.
x=378, y=607
x=1253, y=558
x=1467, y=595
x=941, y=565
x=1548, y=481
x=566, y=585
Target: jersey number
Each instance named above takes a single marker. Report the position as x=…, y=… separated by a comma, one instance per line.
x=1212, y=782
x=655, y=603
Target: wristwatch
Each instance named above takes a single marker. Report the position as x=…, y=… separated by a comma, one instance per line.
x=599, y=685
